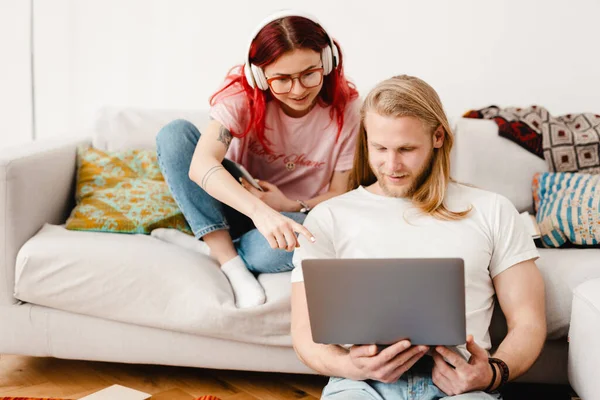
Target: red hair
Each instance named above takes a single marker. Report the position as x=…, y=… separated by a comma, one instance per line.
x=275, y=39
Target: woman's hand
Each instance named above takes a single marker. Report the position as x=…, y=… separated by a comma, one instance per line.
x=271, y=196
x=279, y=230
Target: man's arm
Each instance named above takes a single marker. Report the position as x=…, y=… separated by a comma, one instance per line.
x=329, y=360
x=358, y=363
x=520, y=292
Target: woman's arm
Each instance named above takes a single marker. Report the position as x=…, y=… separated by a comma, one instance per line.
x=338, y=185
x=206, y=170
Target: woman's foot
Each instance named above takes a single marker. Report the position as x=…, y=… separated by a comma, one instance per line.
x=248, y=292
x=218, y=244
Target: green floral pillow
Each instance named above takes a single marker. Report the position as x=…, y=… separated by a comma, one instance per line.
x=122, y=192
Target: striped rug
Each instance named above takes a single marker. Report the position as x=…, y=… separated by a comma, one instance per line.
x=29, y=398
x=206, y=397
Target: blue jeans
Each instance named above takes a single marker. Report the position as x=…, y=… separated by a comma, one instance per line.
x=415, y=384
x=175, y=145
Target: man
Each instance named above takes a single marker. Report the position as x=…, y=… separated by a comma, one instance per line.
x=405, y=205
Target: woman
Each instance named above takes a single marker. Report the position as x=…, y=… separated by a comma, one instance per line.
x=290, y=117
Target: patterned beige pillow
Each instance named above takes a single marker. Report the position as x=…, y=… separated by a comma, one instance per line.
x=122, y=192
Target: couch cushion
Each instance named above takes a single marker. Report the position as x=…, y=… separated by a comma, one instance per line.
x=483, y=158
x=118, y=129
x=563, y=270
x=122, y=192
x=142, y=280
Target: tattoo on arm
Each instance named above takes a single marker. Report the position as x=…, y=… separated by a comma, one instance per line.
x=224, y=136
x=208, y=174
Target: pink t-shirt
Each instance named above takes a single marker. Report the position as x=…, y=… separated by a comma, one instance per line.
x=304, y=151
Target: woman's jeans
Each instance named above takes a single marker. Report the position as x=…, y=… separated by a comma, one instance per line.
x=175, y=144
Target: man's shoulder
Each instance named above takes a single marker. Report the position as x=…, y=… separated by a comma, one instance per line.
x=467, y=191
x=461, y=195
x=486, y=203
x=341, y=201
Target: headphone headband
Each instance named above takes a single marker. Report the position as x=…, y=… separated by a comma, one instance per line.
x=255, y=75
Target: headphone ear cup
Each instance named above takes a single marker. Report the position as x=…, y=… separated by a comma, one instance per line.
x=326, y=60
x=249, y=76
x=335, y=52
x=259, y=77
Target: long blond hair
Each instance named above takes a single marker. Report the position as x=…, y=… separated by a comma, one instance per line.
x=404, y=96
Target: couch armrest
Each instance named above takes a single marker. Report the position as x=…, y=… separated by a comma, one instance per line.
x=36, y=187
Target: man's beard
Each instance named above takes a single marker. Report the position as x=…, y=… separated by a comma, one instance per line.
x=420, y=177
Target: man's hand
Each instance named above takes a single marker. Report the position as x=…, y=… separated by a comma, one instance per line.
x=465, y=376
x=271, y=196
x=386, y=365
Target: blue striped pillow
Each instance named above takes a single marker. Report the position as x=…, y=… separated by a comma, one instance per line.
x=568, y=208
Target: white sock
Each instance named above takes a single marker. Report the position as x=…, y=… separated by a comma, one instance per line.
x=178, y=238
x=248, y=292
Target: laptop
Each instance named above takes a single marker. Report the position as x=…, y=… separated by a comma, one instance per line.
x=382, y=301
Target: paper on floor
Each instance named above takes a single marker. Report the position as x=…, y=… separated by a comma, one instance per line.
x=117, y=392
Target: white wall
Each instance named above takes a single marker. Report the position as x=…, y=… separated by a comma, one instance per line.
x=15, y=82
x=174, y=53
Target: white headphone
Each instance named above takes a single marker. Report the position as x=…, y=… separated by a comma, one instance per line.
x=255, y=76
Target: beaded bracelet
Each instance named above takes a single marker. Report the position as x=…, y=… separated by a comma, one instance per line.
x=504, y=372
x=487, y=389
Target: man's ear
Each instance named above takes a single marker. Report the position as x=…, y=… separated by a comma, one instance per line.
x=438, y=137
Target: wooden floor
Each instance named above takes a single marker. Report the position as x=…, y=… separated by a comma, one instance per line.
x=22, y=376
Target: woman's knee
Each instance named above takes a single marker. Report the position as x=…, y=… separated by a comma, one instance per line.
x=174, y=137
x=260, y=257
x=271, y=262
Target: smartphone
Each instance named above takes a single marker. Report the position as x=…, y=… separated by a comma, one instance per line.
x=238, y=171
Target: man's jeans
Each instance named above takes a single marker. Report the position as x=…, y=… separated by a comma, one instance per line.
x=416, y=384
x=175, y=144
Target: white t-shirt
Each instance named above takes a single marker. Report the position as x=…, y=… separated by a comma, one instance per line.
x=360, y=224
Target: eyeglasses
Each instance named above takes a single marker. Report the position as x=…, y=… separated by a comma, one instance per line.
x=282, y=84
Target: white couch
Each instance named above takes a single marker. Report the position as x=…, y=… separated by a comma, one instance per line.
x=135, y=299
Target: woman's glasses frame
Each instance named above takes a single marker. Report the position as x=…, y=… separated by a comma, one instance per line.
x=297, y=76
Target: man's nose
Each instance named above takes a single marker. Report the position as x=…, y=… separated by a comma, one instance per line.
x=393, y=161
